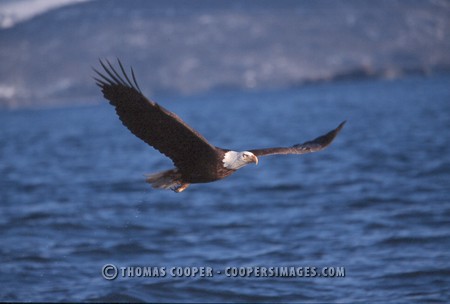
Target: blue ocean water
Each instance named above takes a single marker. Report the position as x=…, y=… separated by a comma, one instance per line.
x=376, y=202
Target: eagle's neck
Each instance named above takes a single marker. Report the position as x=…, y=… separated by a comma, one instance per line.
x=231, y=160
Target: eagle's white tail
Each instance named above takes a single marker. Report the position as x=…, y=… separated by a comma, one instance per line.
x=169, y=179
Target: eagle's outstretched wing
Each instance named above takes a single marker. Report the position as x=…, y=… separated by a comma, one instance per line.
x=314, y=145
x=149, y=121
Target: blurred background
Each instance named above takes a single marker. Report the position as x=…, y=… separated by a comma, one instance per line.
x=246, y=74
x=48, y=47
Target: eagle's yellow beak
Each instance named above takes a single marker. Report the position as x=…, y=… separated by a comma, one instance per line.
x=255, y=159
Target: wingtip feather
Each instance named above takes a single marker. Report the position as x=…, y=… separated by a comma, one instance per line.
x=112, y=77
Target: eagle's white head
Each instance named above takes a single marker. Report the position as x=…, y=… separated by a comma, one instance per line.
x=234, y=160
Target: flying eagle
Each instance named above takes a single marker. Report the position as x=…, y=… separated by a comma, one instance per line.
x=195, y=159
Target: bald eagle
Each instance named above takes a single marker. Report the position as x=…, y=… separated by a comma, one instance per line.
x=195, y=159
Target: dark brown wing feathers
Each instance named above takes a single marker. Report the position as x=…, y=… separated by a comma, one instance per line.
x=149, y=121
x=314, y=145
